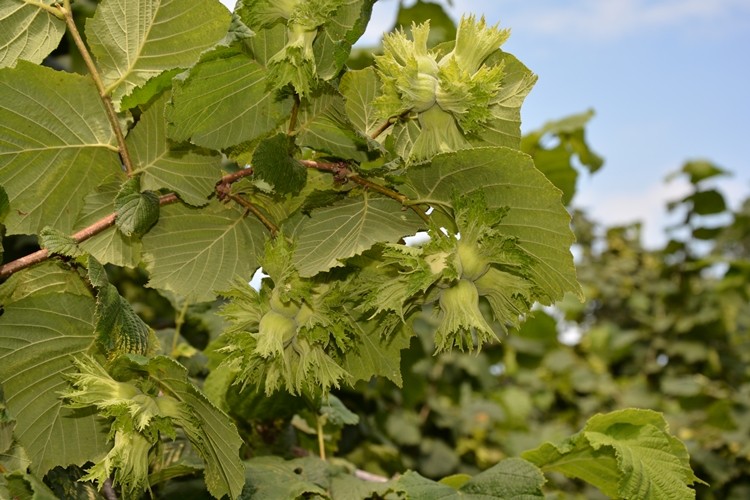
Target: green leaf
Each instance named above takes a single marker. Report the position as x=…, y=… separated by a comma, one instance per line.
x=512, y=478
x=135, y=212
x=118, y=327
x=109, y=246
x=56, y=242
x=225, y=101
x=273, y=477
x=337, y=413
x=442, y=26
x=335, y=39
x=707, y=202
x=626, y=454
x=374, y=354
x=348, y=228
x=40, y=336
x=699, y=170
x=504, y=128
x=359, y=89
x=507, y=178
x=209, y=429
x=135, y=40
x=194, y=253
x=23, y=485
x=190, y=172
x=555, y=163
x=273, y=163
x=66, y=142
x=323, y=126
x=28, y=32
x=49, y=277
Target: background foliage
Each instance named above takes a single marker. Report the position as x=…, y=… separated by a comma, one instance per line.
x=662, y=330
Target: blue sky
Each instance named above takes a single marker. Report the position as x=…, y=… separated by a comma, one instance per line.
x=669, y=81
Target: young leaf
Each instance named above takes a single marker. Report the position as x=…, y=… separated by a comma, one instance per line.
x=348, y=228
x=67, y=141
x=190, y=172
x=27, y=32
x=135, y=40
x=110, y=246
x=195, y=253
x=135, y=211
x=118, y=328
x=225, y=101
x=56, y=242
x=273, y=163
x=57, y=329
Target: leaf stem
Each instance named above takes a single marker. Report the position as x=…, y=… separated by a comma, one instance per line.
x=388, y=123
x=272, y=228
x=319, y=420
x=293, y=117
x=178, y=322
x=67, y=13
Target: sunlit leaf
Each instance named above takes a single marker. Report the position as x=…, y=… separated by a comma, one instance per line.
x=348, y=228
x=195, y=252
x=54, y=129
x=135, y=40
x=28, y=32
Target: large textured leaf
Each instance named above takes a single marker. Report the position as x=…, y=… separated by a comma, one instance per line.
x=507, y=178
x=189, y=172
x=627, y=454
x=226, y=101
x=56, y=145
x=323, y=125
x=359, y=89
x=209, y=429
x=194, y=253
x=48, y=277
x=110, y=246
x=349, y=228
x=27, y=32
x=135, y=40
x=39, y=337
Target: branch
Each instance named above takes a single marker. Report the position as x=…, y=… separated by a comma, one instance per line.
x=343, y=173
x=97, y=227
x=272, y=228
x=67, y=13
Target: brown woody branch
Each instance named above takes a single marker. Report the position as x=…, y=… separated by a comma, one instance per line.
x=343, y=173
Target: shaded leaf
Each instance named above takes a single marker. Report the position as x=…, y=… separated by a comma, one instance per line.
x=135, y=211
x=273, y=163
x=359, y=89
x=273, y=477
x=56, y=329
x=49, y=277
x=66, y=141
x=135, y=40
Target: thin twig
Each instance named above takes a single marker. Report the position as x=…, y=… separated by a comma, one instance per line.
x=388, y=123
x=272, y=228
x=81, y=236
x=105, y=97
x=342, y=172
